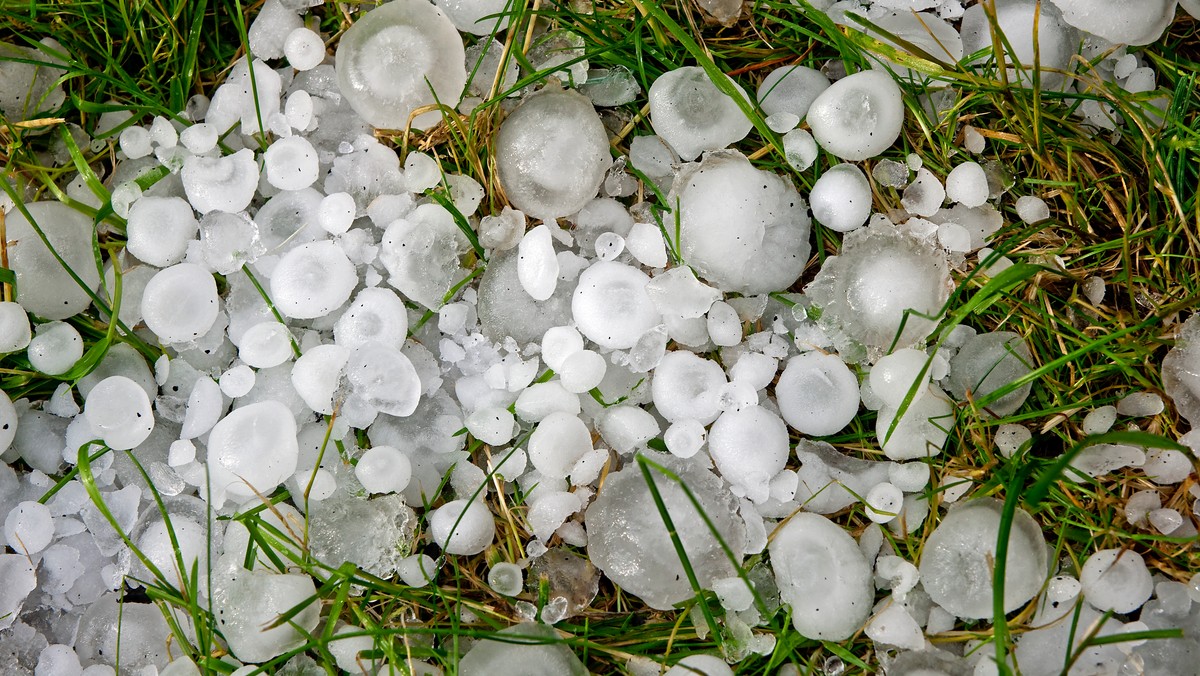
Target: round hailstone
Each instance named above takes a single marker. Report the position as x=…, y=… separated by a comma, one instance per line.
x=817, y=394
x=884, y=502
x=958, y=560
x=558, y=343
x=1116, y=580
x=552, y=154
x=118, y=411
x=463, y=528
x=689, y=112
x=46, y=289
x=291, y=163
x=988, y=362
x=477, y=17
x=237, y=381
x=180, y=303
x=823, y=576
x=791, y=89
x=312, y=280
x=922, y=429
x=894, y=375
x=742, y=229
x=265, y=344
x=492, y=425
x=583, y=371
x=55, y=348
x=253, y=449
x=384, y=378
x=377, y=314
x=558, y=442
x=800, y=149
x=967, y=184
x=220, y=183
x=1120, y=21
x=506, y=579
x=398, y=57
x=15, y=332
x=336, y=213
x=317, y=374
x=304, y=49
x=1057, y=41
x=611, y=307
x=29, y=528
x=687, y=386
x=537, y=264
x=383, y=469
x=859, y=116
x=841, y=198
x=8, y=422
x=749, y=447
x=159, y=229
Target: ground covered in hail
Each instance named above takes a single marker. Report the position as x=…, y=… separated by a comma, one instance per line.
x=494, y=337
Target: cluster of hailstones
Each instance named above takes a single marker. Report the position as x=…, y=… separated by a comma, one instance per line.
x=563, y=350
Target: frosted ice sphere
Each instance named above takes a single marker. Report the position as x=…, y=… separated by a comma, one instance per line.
x=374, y=534
x=897, y=374
x=1093, y=290
x=800, y=149
x=684, y=438
x=552, y=154
x=421, y=253
x=1119, y=21
x=220, y=183
x=1116, y=580
x=180, y=303
x=958, y=560
x=1140, y=405
x=988, y=362
x=228, y=241
x=558, y=442
x=477, y=17
x=967, y=184
x=924, y=196
x=1057, y=41
x=629, y=543
x=17, y=580
x=291, y=163
x=1181, y=371
x=398, y=57
x=686, y=386
x=462, y=527
x=304, y=49
x=384, y=378
x=893, y=625
x=526, y=649
x=15, y=332
x=336, y=213
x=558, y=343
x=859, y=116
x=316, y=376
x=583, y=371
x=118, y=411
x=265, y=344
x=884, y=291
x=159, y=229
x=723, y=324
x=247, y=605
x=29, y=528
x=312, y=280
x=817, y=394
x=383, y=469
x=841, y=198
x=55, y=348
x=377, y=314
x=492, y=425
x=689, y=112
x=627, y=428
x=823, y=576
x=791, y=89
x=253, y=449
x=922, y=429
x=46, y=289
x=1032, y=209
x=741, y=228
x=506, y=579
x=611, y=306
x=709, y=665
x=749, y=447
x=8, y=422
x=537, y=265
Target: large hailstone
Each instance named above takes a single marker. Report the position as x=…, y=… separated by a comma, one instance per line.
x=398, y=57
x=988, y=362
x=253, y=450
x=180, y=303
x=749, y=447
x=552, y=153
x=859, y=116
x=1057, y=41
x=959, y=558
x=1130, y=22
x=692, y=115
x=46, y=289
x=817, y=394
x=744, y=230
x=1181, y=371
x=629, y=543
x=823, y=576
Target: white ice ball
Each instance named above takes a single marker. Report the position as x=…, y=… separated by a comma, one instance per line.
x=118, y=411
x=859, y=116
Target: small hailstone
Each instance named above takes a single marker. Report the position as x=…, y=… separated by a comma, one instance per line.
x=1010, y=438
x=557, y=443
x=1166, y=521
x=883, y=502
x=118, y=411
x=914, y=161
x=265, y=345
x=491, y=425
x=181, y=452
x=609, y=245
x=55, y=348
x=237, y=381
x=685, y=437
x=954, y=487
x=291, y=163
x=312, y=280
x=383, y=469
x=304, y=49
x=159, y=229
x=817, y=394
x=462, y=527
x=1099, y=420
x=558, y=343
x=417, y=570
x=924, y=196
x=1116, y=580
x=973, y=141
x=967, y=184
x=800, y=149
x=582, y=371
x=890, y=173
x=421, y=172
x=1093, y=289
x=506, y=579
x=645, y=243
x=1032, y=209
x=1140, y=405
x=688, y=111
x=909, y=477
x=15, y=332
x=537, y=265
x=1167, y=466
x=135, y=142
x=336, y=213
x=29, y=528
x=62, y=402
x=724, y=325
x=298, y=110
x=841, y=198
x=781, y=123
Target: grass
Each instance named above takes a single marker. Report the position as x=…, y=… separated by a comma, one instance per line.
x=1124, y=208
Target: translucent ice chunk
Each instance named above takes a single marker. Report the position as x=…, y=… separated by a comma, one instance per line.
x=377, y=314
x=247, y=605
x=118, y=411
x=749, y=447
x=373, y=534
x=841, y=198
x=830, y=480
x=817, y=394
x=611, y=306
x=477, y=17
x=316, y=376
x=1116, y=580
x=180, y=303
x=228, y=241
x=924, y=196
x=1119, y=21
x=988, y=362
x=421, y=253
x=689, y=112
x=28, y=88
x=921, y=431
x=506, y=578
x=506, y=310
x=791, y=89
x=1181, y=371
x=29, y=528
x=312, y=280
x=859, y=116
x=253, y=449
x=225, y=183
x=46, y=289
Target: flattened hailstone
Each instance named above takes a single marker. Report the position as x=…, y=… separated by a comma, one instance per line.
x=291, y=163
x=180, y=303
x=537, y=651
x=791, y=89
x=17, y=579
x=468, y=16
x=841, y=198
x=374, y=534
x=859, y=116
x=462, y=527
x=159, y=229
x=558, y=442
x=46, y=289
x=421, y=253
x=925, y=195
x=248, y=603
x=1130, y=22
x=687, y=386
x=383, y=377
x=390, y=58
x=749, y=447
x=1116, y=580
x=552, y=153
x=1181, y=371
x=55, y=348
x=505, y=309
x=317, y=374
x=817, y=394
x=988, y=362
x=690, y=113
x=15, y=332
x=253, y=449
x=383, y=469
x=611, y=307
x=118, y=411
x=220, y=183
x=312, y=280
x=967, y=184
x=823, y=576
x=959, y=557
x=881, y=276
x=537, y=264
x=29, y=527
x=629, y=543
x=377, y=314
x=1015, y=19
x=743, y=229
